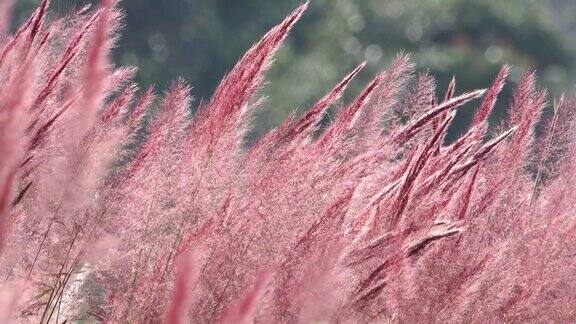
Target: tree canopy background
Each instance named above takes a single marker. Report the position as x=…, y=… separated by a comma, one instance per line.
x=200, y=40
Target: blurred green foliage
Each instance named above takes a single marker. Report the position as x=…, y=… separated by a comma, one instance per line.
x=201, y=39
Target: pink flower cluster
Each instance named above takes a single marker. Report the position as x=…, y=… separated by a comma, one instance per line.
x=119, y=206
